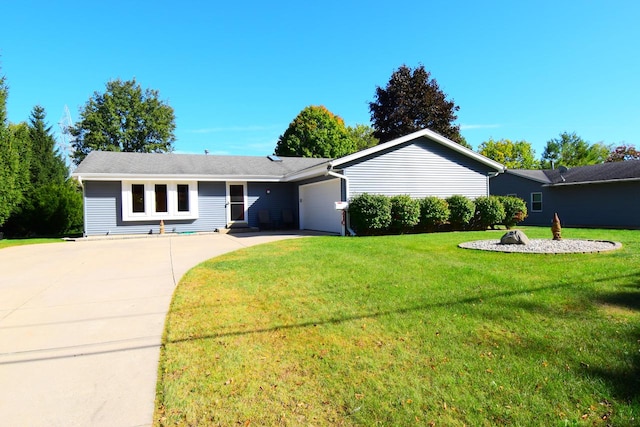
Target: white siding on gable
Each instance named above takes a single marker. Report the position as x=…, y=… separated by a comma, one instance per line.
x=419, y=169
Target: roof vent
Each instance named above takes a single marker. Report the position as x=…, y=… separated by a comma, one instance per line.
x=274, y=158
x=563, y=169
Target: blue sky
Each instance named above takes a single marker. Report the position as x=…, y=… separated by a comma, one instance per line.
x=238, y=73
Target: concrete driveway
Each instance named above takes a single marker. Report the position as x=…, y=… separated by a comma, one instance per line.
x=81, y=325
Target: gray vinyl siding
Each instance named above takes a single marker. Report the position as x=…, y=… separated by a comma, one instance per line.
x=101, y=203
x=103, y=211
x=609, y=205
x=421, y=168
x=596, y=205
x=212, y=211
x=506, y=184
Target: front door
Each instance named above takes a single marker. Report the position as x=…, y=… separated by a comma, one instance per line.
x=237, y=202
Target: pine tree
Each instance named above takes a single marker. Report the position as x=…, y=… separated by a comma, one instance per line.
x=14, y=159
x=47, y=166
x=53, y=203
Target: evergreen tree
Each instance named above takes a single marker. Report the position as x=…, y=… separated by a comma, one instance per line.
x=14, y=159
x=52, y=203
x=47, y=165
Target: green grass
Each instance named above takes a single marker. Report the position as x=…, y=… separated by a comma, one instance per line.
x=6, y=243
x=405, y=330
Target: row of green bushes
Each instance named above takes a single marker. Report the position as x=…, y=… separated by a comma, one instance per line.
x=377, y=214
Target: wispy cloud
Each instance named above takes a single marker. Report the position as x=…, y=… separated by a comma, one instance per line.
x=469, y=127
x=233, y=129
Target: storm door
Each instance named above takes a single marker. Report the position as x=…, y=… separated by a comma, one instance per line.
x=237, y=202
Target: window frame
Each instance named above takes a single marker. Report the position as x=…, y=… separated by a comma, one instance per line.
x=150, y=213
x=135, y=205
x=536, y=202
x=188, y=197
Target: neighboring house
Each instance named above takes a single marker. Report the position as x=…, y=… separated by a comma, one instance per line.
x=604, y=195
x=130, y=193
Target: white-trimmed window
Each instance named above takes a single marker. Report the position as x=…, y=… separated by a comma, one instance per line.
x=536, y=202
x=150, y=200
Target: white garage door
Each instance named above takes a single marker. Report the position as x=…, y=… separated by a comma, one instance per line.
x=317, y=206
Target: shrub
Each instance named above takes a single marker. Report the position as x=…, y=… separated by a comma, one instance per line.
x=370, y=213
x=515, y=210
x=461, y=211
x=405, y=213
x=489, y=212
x=52, y=209
x=434, y=211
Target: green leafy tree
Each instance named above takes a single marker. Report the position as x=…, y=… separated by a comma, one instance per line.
x=570, y=150
x=124, y=118
x=410, y=102
x=512, y=154
x=362, y=136
x=315, y=132
x=14, y=159
x=623, y=152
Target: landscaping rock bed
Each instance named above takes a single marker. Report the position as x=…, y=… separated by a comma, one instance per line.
x=545, y=246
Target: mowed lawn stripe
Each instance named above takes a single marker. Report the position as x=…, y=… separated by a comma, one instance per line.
x=405, y=330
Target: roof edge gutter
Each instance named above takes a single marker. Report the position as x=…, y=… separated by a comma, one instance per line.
x=604, y=181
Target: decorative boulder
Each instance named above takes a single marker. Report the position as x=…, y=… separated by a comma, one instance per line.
x=514, y=237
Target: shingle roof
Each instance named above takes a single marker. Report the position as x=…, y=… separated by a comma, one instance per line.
x=114, y=165
x=535, y=175
x=629, y=169
x=119, y=163
x=604, y=172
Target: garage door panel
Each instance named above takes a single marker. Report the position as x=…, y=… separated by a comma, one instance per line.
x=317, y=206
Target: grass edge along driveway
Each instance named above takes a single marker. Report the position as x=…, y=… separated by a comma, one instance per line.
x=405, y=330
x=7, y=243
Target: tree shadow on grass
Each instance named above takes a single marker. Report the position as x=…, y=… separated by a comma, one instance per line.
x=624, y=299
x=625, y=382
x=367, y=315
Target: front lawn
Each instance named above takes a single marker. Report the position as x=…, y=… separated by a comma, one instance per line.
x=6, y=243
x=405, y=330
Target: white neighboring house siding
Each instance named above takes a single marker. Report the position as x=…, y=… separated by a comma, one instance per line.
x=420, y=169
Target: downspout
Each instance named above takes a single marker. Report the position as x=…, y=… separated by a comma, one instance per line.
x=346, y=184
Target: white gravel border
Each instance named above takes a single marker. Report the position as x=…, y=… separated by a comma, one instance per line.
x=545, y=246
